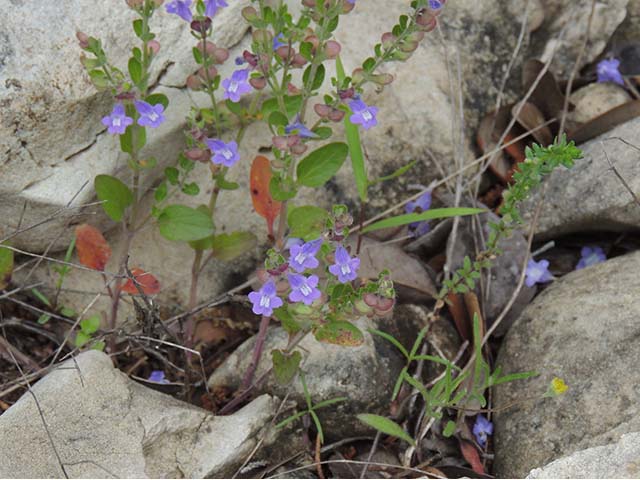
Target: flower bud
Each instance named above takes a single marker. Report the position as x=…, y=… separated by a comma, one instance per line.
x=313, y=40
x=349, y=92
x=207, y=47
x=201, y=26
x=285, y=52
x=388, y=39
x=309, y=3
x=322, y=110
x=382, y=78
x=347, y=6
x=336, y=115
x=332, y=49
x=198, y=155
x=279, y=142
x=250, y=58
x=135, y=3
x=262, y=36
x=293, y=90
x=298, y=61
x=194, y=83
x=154, y=47
x=358, y=75
x=362, y=307
x=220, y=55
x=426, y=20
x=83, y=39
x=211, y=72
x=298, y=149
x=249, y=14
x=258, y=82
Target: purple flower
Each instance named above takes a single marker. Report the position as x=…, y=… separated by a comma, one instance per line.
x=363, y=114
x=590, y=256
x=537, y=272
x=421, y=204
x=481, y=429
x=352, y=2
x=291, y=241
x=223, y=153
x=180, y=8
x=345, y=268
x=435, y=4
x=150, y=115
x=117, y=122
x=303, y=289
x=608, y=71
x=265, y=300
x=300, y=129
x=212, y=6
x=278, y=41
x=157, y=376
x=303, y=257
x=236, y=86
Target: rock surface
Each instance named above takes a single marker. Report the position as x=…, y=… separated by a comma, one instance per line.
x=104, y=425
x=564, y=30
x=589, y=196
x=584, y=329
x=618, y=460
x=596, y=99
x=364, y=374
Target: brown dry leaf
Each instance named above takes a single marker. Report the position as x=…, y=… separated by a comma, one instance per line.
x=487, y=140
x=93, y=250
x=406, y=271
x=547, y=96
x=530, y=117
x=605, y=122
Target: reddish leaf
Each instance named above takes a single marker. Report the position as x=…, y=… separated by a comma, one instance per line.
x=472, y=456
x=147, y=283
x=93, y=250
x=265, y=205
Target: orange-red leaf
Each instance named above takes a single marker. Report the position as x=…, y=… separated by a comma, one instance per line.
x=93, y=250
x=265, y=205
x=147, y=283
x=472, y=456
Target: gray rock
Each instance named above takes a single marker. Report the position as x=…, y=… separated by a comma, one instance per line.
x=364, y=374
x=584, y=329
x=104, y=425
x=572, y=17
x=596, y=99
x=617, y=460
x=589, y=197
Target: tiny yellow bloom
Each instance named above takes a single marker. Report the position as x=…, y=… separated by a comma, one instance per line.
x=557, y=387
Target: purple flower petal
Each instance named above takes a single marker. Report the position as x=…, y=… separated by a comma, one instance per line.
x=150, y=115
x=609, y=71
x=265, y=300
x=223, y=153
x=118, y=121
x=180, y=8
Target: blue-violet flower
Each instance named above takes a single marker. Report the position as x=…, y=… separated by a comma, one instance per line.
x=157, y=376
x=345, y=268
x=150, y=115
x=590, y=256
x=212, y=6
x=363, y=114
x=278, y=42
x=303, y=257
x=299, y=128
x=180, y=8
x=265, y=300
x=481, y=429
x=117, y=122
x=223, y=153
x=421, y=204
x=608, y=71
x=537, y=272
x=236, y=86
x=303, y=289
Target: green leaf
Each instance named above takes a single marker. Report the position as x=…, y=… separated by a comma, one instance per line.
x=126, y=139
x=449, y=429
x=135, y=70
x=282, y=189
x=307, y=222
x=292, y=105
x=421, y=217
x=318, y=425
x=391, y=339
x=321, y=164
x=339, y=333
x=228, y=246
x=44, y=318
x=137, y=27
x=285, y=366
x=6, y=266
x=223, y=184
x=317, y=80
x=98, y=346
x=511, y=377
x=161, y=192
x=115, y=195
x=323, y=132
x=156, y=98
x=90, y=325
x=331, y=401
x=277, y=118
x=384, y=425
x=81, y=339
x=172, y=174
x=184, y=224
x=288, y=321
x=191, y=189
x=68, y=312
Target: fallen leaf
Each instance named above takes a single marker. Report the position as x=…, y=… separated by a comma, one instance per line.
x=264, y=204
x=147, y=283
x=530, y=117
x=472, y=456
x=605, y=122
x=93, y=250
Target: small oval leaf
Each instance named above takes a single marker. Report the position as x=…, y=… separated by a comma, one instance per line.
x=320, y=165
x=184, y=224
x=93, y=250
x=114, y=194
x=384, y=425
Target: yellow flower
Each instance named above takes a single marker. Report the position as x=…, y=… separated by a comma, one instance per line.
x=556, y=387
